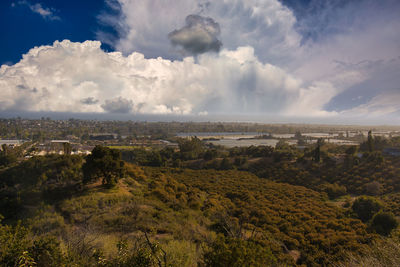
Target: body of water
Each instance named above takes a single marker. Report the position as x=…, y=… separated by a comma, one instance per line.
x=245, y=142
x=221, y=135
x=243, y=139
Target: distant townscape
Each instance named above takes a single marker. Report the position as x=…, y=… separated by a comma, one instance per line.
x=46, y=136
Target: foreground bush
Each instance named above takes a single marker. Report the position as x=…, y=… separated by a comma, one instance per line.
x=383, y=223
x=237, y=252
x=18, y=248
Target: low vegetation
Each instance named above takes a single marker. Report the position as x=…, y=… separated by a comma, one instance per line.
x=202, y=205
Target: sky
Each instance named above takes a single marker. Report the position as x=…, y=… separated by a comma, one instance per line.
x=332, y=61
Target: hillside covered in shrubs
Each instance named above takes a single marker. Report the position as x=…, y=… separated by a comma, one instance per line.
x=201, y=206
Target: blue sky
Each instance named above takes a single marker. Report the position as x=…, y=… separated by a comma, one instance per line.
x=311, y=60
x=23, y=28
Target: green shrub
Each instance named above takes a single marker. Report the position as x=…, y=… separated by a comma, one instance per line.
x=335, y=190
x=46, y=252
x=366, y=207
x=19, y=248
x=13, y=243
x=384, y=222
x=181, y=253
x=236, y=252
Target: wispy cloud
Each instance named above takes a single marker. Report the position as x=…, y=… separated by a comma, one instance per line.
x=45, y=12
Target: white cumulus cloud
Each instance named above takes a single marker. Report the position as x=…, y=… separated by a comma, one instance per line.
x=81, y=77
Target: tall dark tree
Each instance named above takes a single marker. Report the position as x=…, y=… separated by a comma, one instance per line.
x=104, y=163
x=317, y=151
x=67, y=148
x=350, y=159
x=298, y=135
x=190, y=148
x=370, y=141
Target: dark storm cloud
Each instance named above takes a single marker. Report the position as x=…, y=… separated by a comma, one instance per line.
x=25, y=88
x=199, y=35
x=22, y=87
x=118, y=105
x=89, y=101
